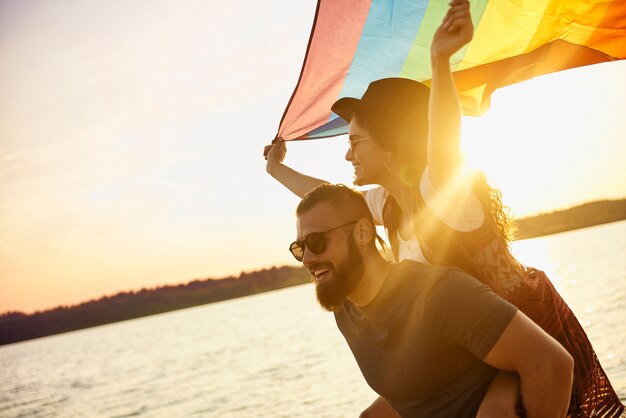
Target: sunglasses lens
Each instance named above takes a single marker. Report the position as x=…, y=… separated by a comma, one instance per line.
x=316, y=243
x=297, y=249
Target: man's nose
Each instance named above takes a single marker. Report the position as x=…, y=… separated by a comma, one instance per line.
x=308, y=257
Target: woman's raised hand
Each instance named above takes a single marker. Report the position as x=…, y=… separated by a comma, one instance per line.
x=456, y=30
x=275, y=153
x=298, y=183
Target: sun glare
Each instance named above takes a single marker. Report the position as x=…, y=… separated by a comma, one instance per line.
x=548, y=141
x=536, y=252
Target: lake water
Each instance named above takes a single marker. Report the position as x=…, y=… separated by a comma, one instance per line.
x=276, y=354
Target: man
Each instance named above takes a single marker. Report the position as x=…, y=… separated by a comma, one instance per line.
x=428, y=339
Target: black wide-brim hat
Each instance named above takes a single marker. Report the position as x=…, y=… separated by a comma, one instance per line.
x=391, y=100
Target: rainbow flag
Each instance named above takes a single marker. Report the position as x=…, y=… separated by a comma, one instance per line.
x=354, y=42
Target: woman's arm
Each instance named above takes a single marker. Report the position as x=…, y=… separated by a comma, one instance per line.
x=452, y=201
x=298, y=183
x=444, y=133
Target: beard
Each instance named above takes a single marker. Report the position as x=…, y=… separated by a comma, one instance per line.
x=347, y=275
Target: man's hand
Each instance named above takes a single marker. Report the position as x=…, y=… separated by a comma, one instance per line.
x=456, y=31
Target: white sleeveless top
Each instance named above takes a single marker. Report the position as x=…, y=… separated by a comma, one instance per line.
x=458, y=208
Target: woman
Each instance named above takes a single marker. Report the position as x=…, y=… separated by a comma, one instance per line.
x=406, y=139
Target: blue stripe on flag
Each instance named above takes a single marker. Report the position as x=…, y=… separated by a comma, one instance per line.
x=390, y=29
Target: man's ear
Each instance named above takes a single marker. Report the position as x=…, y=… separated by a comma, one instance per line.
x=363, y=232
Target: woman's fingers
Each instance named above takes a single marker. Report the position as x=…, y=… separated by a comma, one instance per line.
x=454, y=3
x=459, y=7
x=456, y=19
x=276, y=151
x=458, y=25
x=457, y=12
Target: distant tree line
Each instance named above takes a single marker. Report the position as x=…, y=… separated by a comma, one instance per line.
x=582, y=216
x=17, y=326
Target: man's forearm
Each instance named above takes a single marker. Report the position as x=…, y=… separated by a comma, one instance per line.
x=545, y=368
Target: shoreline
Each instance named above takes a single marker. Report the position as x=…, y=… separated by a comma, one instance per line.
x=18, y=326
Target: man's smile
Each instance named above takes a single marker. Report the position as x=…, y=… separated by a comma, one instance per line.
x=320, y=273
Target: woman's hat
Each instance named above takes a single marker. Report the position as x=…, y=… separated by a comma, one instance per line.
x=389, y=100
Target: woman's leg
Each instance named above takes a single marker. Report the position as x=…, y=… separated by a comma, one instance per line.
x=502, y=398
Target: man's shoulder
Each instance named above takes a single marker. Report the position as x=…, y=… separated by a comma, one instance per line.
x=412, y=279
x=408, y=270
x=432, y=280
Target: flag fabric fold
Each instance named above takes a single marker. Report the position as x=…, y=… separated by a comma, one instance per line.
x=354, y=42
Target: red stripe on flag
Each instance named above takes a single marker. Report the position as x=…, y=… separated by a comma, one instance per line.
x=334, y=39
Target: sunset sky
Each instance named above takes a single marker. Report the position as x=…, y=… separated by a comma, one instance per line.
x=131, y=138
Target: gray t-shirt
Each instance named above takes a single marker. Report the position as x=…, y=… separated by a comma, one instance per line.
x=420, y=342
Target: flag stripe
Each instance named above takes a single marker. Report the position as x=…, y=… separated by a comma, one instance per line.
x=415, y=65
x=609, y=34
x=517, y=21
x=571, y=21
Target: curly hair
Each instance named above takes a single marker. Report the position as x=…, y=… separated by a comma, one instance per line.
x=491, y=197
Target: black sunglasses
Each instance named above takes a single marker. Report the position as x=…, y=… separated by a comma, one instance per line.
x=315, y=242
